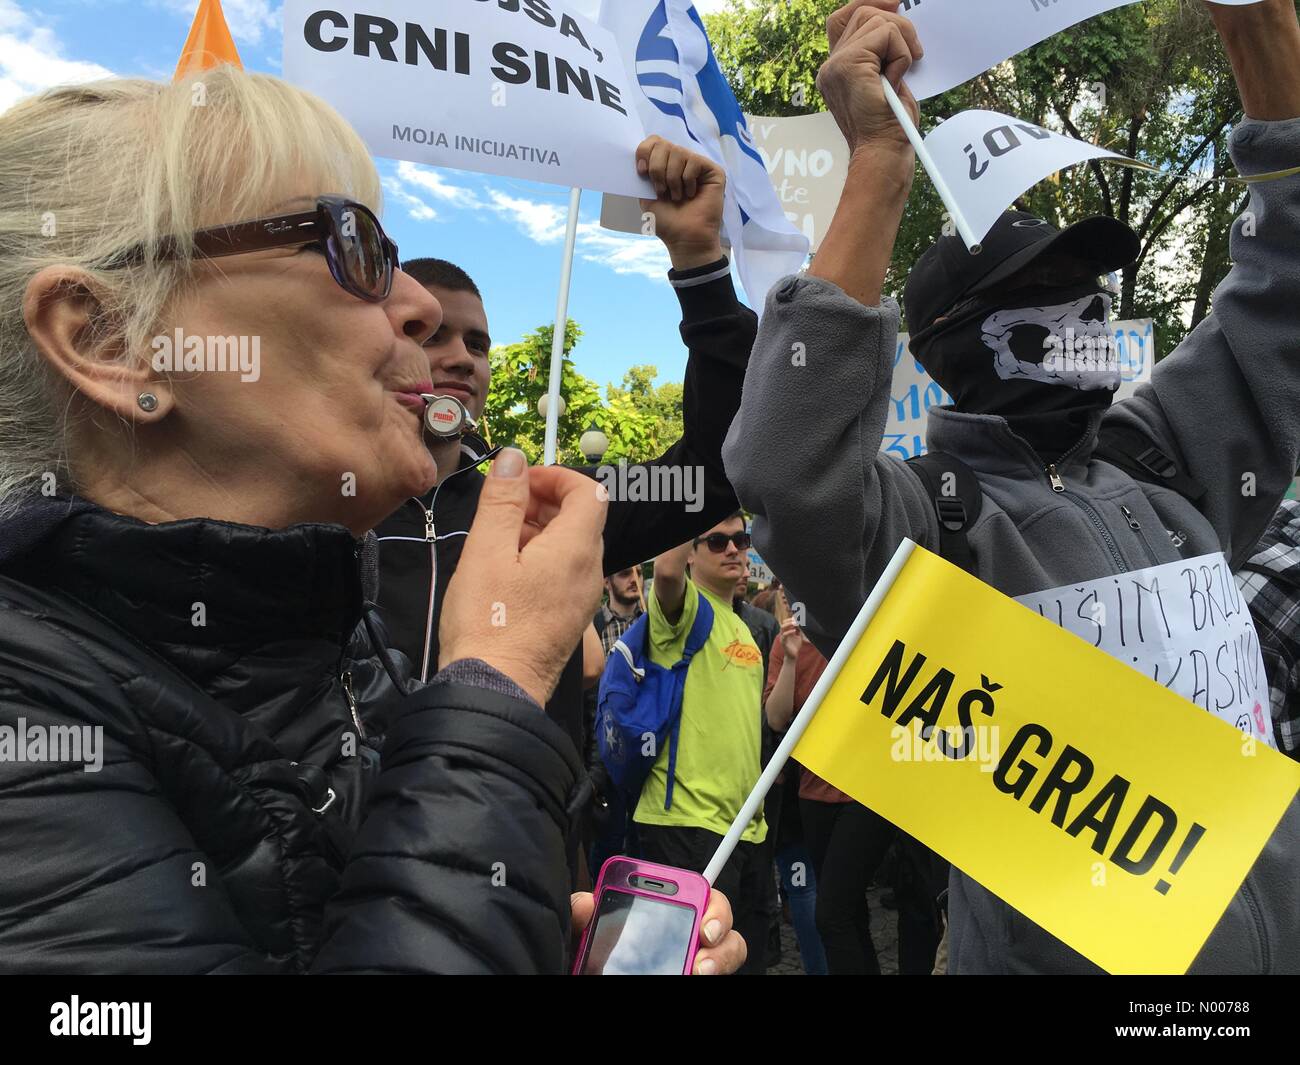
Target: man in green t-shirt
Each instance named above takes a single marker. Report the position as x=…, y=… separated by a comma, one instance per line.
x=718, y=747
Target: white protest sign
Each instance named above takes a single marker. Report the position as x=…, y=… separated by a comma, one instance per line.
x=1184, y=624
x=759, y=572
x=914, y=392
x=526, y=91
x=988, y=159
x=1135, y=348
x=911, y=396
x=964, y=38
x=807, y=161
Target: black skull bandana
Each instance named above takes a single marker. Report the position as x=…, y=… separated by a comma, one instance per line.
x=1043, y=358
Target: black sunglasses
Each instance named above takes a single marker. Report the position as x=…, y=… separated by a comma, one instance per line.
x=361, y=256
x=718, y=541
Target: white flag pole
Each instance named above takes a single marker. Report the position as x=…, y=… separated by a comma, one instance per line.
x=561, y=321
x=927, y=161
x=810, y=707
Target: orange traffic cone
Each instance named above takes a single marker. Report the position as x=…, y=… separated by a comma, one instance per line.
x=209, y=43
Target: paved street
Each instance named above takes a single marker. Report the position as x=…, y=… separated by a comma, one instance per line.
x=884, y=931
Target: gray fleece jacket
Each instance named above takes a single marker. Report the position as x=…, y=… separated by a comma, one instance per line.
x=830, y=509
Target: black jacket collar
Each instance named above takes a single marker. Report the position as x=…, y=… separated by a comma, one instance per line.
x=193, y=583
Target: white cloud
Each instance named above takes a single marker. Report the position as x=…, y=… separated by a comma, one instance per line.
x=543, y=222
x=415, y=207
x=432, y=182
x=31, y=58
x=540, y=222
x=623, y=253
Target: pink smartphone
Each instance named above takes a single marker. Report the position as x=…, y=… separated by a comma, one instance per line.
x=646, y=923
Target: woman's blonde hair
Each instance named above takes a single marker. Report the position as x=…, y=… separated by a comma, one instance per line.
x=89, y=171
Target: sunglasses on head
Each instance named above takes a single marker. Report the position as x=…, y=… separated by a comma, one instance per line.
x=361, y=257
x=718, y=541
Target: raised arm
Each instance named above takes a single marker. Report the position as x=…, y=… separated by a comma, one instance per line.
x=670, y=581
x=804, y=452
x=778, y=701
x=867, y=38
x=1243, y=362
x=719, y=332
x=1263, y=46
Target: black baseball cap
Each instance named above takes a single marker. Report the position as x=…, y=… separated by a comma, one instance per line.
x=948, y=273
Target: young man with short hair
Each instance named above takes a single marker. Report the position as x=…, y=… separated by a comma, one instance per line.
x=420, y=544
x=623, y=606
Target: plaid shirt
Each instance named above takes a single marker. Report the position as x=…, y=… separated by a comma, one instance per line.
x=1270, y=583
x=611, y=626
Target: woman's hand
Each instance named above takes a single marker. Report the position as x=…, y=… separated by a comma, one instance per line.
x=529, y=579
x=722, y=950
x=791, y=639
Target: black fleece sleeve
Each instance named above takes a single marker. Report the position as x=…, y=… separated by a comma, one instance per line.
x=719, y=332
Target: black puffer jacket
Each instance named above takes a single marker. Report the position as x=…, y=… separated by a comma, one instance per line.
x=239, y=823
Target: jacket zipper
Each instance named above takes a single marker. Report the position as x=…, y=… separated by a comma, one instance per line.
x=346, y=678
x=1058, y=485
x=1136, y=526
x=431, y=538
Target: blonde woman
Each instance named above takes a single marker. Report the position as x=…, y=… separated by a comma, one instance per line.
x=210, y=391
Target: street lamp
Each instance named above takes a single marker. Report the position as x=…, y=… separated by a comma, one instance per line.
x=594, y=443
x=544, y=405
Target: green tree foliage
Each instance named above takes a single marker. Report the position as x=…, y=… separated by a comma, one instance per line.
x=1167, y=97
x=641, y=421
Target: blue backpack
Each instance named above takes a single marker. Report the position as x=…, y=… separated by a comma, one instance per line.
x=638, y=699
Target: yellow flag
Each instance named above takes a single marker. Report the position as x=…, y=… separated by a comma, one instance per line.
x=1112, y=812
x=209, y=43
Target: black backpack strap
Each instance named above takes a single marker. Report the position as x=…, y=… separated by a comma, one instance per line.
x=1134, y=452
x=958, y=499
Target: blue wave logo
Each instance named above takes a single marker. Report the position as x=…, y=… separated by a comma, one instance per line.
x=658, y=70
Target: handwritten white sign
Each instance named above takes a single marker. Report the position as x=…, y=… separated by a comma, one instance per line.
x=1184, y=624
x=807, y=161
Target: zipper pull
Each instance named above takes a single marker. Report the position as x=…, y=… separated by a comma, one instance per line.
x=1132, y=521
x=1058, y=485
x=428, y=526
x=350, y=696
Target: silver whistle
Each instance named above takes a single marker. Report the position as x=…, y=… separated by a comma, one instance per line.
x=446, y=417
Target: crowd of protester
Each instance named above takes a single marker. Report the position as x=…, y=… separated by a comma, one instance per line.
x=347, y=673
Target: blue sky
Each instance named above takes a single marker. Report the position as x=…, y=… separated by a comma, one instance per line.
x=508, y=234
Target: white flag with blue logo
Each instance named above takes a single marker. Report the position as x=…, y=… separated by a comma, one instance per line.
x=684, y=97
